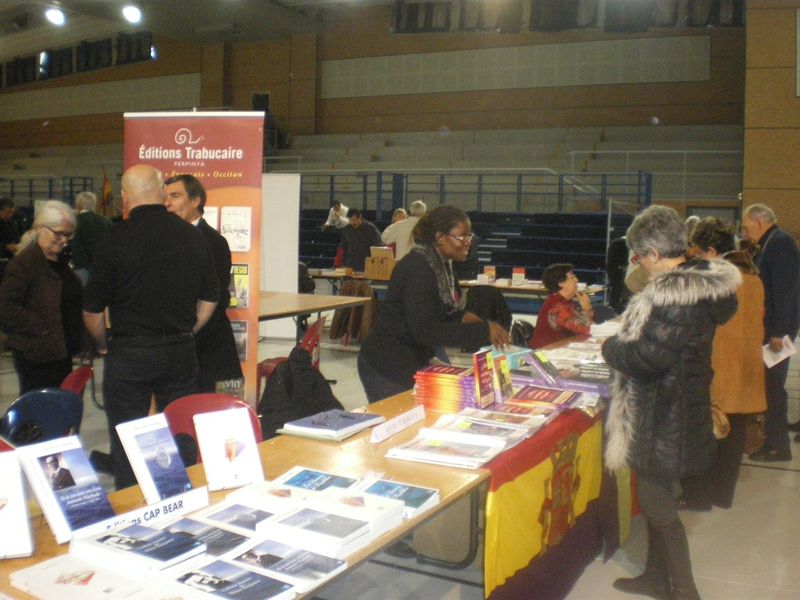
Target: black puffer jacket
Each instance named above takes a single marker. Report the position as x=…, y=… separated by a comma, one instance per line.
x=659, y=420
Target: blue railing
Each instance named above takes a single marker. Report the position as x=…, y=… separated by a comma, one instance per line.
x=44, y=188
x=495, y=190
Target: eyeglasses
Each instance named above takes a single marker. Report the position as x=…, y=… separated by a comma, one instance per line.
x=462, y=239
x=60, y=235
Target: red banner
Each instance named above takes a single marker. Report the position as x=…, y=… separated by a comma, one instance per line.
x=224, y=151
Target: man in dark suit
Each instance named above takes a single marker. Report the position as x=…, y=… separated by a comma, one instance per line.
x=59, y=476
x=216, y=348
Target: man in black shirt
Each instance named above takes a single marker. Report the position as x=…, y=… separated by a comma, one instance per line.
x=155, y=274
x=357, y=239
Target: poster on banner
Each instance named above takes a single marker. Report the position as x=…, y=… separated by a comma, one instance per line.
x=224, y=151
x=240, y=286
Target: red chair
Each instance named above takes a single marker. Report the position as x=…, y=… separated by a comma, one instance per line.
x=309, y=343
x=179, y=414
x=77, y=380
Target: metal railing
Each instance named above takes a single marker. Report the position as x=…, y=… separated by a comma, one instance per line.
x=668, y=181
x=44, y=187
x=482, y=190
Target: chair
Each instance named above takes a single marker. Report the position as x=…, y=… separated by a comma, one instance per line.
x=77, y=380
x=309, y=343
x=41, y=415
x=179, y=413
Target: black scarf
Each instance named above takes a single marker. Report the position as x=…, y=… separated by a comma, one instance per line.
x=443, y=271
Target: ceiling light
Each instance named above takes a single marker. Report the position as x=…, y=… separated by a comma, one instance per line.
x=55, y=16
x=132, y=13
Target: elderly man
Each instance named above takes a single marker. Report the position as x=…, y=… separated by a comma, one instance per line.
x=155, y=274
x=216, y=349
x=357, y=238
x=399, y=233
x=778, y=262
x=89, y=230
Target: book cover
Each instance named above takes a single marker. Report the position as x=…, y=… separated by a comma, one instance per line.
x=218, y=541
x=461, y=428
x=436, y=450
x=65, y=485
x=530, y=395
x=223, y=579
x=154, y=457
x=335, y=424
x=240, y=282
x=231, y=387
x=311, y=479
x=270, y=496
x=445, y=371
x=228, y=447
x=136, y=548
x=320, y=531
x=483, y=366
x=301, y=568
x=502, y=378
x=544, y=367
x=510, y=415
x=16, y=538
x=236, y=227
x=240, y=338
x=69, y=578
x=235, y=516
x=381, y=513
x=415, y=498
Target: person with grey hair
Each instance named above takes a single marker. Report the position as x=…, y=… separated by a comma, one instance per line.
x=91, y=227
x=40, y=302
x=659, y=420
x=778, y=262
x=399, y=233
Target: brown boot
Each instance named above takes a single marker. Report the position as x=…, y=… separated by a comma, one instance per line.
x=654, y=582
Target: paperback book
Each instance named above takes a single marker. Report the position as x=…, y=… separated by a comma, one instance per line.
x=381, y=513
x=66, y=486
x=431, y=447
x=534, y=395
x=311, y=479
x=503, y=388
x=67, y=577
x=234, y=516
x=218, y=541
x=300, y=568
x=228, y=447
x=136, y=550
x=222, y=579
x=545, y=369
x=460, y=428
x=444, y=388
x=416, y=499
x=334, y=425
x=511, y=415
x=483, y=365
x=16, y=538
x=154, y=457
x=270, y=496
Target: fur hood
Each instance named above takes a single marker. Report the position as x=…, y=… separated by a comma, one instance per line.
x=687, y=285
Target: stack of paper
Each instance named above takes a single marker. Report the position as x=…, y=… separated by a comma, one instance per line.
x=334, y=425
x=444, y=389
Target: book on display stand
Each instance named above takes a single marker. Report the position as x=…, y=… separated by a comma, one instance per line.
x=154, y=457
x=16, y=539
x=66, y=487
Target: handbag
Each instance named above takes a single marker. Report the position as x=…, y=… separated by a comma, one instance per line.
x=719, y=420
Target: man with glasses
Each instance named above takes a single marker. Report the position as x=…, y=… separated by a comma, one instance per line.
x=155, y=274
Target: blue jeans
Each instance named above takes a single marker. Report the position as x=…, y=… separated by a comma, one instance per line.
x=376, y=386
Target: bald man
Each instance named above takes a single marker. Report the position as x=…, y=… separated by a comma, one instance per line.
x=155, y=274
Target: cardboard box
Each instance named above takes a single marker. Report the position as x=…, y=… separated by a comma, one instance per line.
x=379, y=268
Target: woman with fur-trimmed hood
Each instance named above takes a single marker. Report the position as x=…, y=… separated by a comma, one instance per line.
x=659, y=421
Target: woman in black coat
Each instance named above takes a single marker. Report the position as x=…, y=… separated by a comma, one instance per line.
x=659, y=421
x=421, y=309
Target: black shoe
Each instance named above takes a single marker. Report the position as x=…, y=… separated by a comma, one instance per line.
x=795, y=426
x=766, y=454
x=644, y=585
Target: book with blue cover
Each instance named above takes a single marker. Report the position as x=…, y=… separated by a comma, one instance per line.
x=335, y=425
x=416, y=499
x=137, y=549
x=218, y=541
x=311, y=479
x=222, y=579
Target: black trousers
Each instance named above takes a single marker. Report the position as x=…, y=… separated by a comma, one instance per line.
x=34, y=376
x=135, y=370
x=776, y=428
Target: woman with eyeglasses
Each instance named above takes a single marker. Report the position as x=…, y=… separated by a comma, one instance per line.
x=421, y=311
x=565, y=312
x=41, y=300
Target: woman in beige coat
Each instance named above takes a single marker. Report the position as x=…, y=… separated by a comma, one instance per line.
x=738, y=385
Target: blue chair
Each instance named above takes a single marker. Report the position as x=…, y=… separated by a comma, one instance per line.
x=40, y=415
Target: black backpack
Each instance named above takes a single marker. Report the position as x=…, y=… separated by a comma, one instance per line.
x=521, y=332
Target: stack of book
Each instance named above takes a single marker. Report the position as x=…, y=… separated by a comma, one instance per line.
x=445, y=389
x=416, y=499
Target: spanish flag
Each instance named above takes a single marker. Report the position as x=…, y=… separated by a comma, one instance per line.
x=107, y=197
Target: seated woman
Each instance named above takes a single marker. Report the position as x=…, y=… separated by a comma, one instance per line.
x=421, y=311
x=565, y=312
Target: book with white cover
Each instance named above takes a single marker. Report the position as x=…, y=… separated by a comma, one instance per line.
x=161, y=589
x=136, y=550
x=312, y=479
x=15, y=539
x=301, y=568
x=463, y=429
x=234, y=516
x=380, y=512
x=66, y=486
x=334, y=425
x=271, y=496
x=228, y=448
x=154, y=457
x=218, y=541
x=320, y=531
x=530, y=421
x=430, y=447
x=417, y=499
x=69, y=578
x=223, y=579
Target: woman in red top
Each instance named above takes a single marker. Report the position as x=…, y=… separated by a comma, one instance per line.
x=565, y=312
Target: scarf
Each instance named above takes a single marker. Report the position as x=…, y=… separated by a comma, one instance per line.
x=443, y=271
